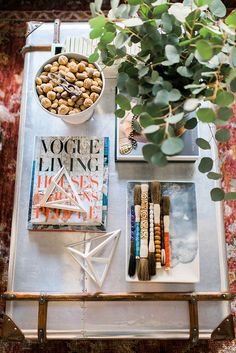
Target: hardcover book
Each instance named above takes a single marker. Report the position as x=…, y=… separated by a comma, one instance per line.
x=69, y=184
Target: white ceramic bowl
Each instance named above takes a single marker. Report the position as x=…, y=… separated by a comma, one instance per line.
x=77, y=118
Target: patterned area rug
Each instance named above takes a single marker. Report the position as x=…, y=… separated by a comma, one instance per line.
x=11, y=63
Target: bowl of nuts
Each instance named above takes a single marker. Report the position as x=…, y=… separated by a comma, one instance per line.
x=69, y=87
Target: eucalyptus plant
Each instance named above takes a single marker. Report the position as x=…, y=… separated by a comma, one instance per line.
x=184, y=56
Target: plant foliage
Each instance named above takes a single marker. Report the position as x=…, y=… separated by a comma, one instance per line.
x=184, y=64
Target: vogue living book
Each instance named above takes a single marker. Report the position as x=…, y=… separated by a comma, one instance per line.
x=69, y=186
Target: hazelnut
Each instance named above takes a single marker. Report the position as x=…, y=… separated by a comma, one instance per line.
x=94, y=96
x=84, y=62
x=51, y=95
x=54, y=68
x=85, y=95
x=63, y=60
x=41, y=97
x=55, y=104
x=96, y=89
x=81, y=67
x=38, y=81
x=46, y=103
x=44, y=78
x=91, y=65
x=79, y=83
x=95, y=83
x=72, y=60
x=58, y=95
x=80, y=101
x=73, y=67
x=62, y=102
x=48, y=87
x=47, y=67
x=62, y=73
x=88, y=102
x=58, y=89
x=90, y=71
x=81, y=76
x=82, y=107
x=64, y=94
x=83, y=89
x=39, y=89
x=70, y=77
x=55, y=63
x=63, y=110
x=96, y=73
x=70, y=102
x=74, y=98
x=52, y=110
x=88, y=83
x=63, y=68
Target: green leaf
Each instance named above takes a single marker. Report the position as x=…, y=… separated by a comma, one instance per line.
x=93, y=57
x=217, y=8
x=135, y=2
x=206, y=115
x=174, y=119
x=230, y=196
x=214, y=176
x=108, y=37
x=149, y=150
x=162, y=98
x=133, y=22
x=231, y=19
x=154, y=77
x=172, y=146
x=167, y=22
x=217, y=194
x=200, y=3
x=123, y=102
x=184, y=71
x=120, y=40
x=233, y=85
x=137, y=109
x=151, y=129
x=97, y=22
x=191, y=104
x=222, y=135
x=143, y=71
x=204, y=49
x=95, y=33
x=224, y=98
x=137, y=127
x=174, y=95
x=146, y=120
x=132, y=87
x=159, y=159
x=159, y=10
x=205, y=165
x=225, y=113
x=232, y=57
x=119, y=113
x=172, y=54
x=203, y=144
x=191, y=124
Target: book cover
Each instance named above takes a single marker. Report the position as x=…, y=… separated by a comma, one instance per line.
x=69, y=184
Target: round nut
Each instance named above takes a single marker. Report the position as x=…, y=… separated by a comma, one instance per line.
x=54, y=105
x=79, y=83
x=82, y=76
x=72, y=60
x=70, y=77
x=96, y=73
x=70, y=102
x=88, y=83
x=83, y=89
x=73, y=67
x=44, y=78
x=62, y=101
x=88, y=102
x=58, y=95
x=74, y=98
x=85, y=95
x=54, y=68
x=81, y=67
x=80, y=101
x=48, y=87
x=82, y=107
x=63, y=68
x=91, y=65
x=95, y=83
x=41, y=97
x=94, y=96
x=46, y=103
x=39, y=90
x=90, y=71
x=51, y=95
x=47, y=67
x=96, y=89
x=63, y=60
x=62, y=73
x=64, y=94
x=38, y=81
x=84, y=62
x=52, y=110
x=63, y=110
x=55, y=63
x=58, y=89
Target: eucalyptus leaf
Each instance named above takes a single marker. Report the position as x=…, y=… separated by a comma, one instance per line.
x=174, y=95
x=172, y=146
x=149, y=150
x=123, y=102
x=233, y=85
x=232, y=57
x=107, y=37
x=137, y=127
x=119, y=113
x=174, y=119
x=132, y=87
x=133, y=22
x=120, y=40
x=205, y=164
x=231, y=19
x=204, y=49
x=230, y=196
x=97, y=22
x=172, y=54
x=222, y=135
x=93, y=57
x=167, y=22
x=162, y=98
x=179, y=11
x=217, y=8
x=146, y=120
x=98, y=5
x=217, y=194
x=143, y=71
x=151, y=129
x=206, y=115
x=137, y=109
x=135, y=2
x=191, y=104
x=184, y=71
x=225, y=113
x=159, y=159
x=159, y=10
x=214, y=176
x=224, y=98
x=191, y=124
x=203, y=144
x=96, y=33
